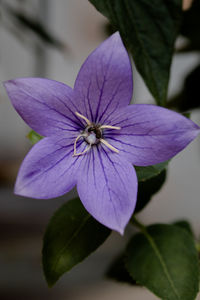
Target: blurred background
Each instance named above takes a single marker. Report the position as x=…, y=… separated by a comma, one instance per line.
x=52, y=39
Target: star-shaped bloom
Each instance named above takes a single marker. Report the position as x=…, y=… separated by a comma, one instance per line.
x=93, y=137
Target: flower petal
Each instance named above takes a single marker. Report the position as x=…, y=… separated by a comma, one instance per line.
x=47, y=106
x=107, y=186
x=49, y=169
x=150, y=134
x=104, y=84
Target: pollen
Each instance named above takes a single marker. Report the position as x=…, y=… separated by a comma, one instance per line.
x=91, y=138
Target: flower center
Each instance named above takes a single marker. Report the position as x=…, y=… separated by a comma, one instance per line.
x=92, y=134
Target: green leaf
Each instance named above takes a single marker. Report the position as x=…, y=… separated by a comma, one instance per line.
x=145, y=173
x=164, y=259
x=118, y=272
x=72, y=234
x=149, y=29
x=185, y=225
x=146, y=189
x=34, y=137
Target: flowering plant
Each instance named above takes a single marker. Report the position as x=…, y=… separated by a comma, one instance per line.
x=91, y=137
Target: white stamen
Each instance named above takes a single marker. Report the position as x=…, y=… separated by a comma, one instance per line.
x=76, y=140
x=83, y=152
x=83, y=117
x=109, y=127
x=108, y=145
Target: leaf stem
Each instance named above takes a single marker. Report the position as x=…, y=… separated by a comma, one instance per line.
x=138, y=224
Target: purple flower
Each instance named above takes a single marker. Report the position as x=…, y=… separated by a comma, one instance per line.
x=93, y=137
